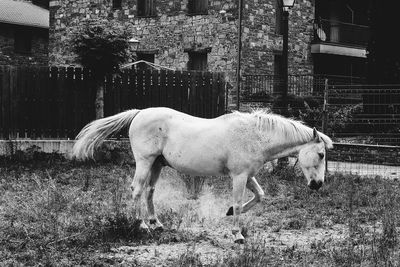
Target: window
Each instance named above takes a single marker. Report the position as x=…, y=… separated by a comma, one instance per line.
x=197, y=61
x=197, y=7
x=146, y=8
x=22, y=41
x=278, y=73
x=145, y=56
x=148, y=56
x=116, y=4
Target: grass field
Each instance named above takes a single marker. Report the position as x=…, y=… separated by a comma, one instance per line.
x=59, y=213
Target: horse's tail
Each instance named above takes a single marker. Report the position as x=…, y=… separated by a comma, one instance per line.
x=94, y=133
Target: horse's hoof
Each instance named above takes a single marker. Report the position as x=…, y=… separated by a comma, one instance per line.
x=159, y=229
x=238, y=238
x=230, y=212
x=239, y=241
x=143, y=227
x=156, y=226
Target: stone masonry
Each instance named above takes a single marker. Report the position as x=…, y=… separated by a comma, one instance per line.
x=38, y=55
x=172, y=32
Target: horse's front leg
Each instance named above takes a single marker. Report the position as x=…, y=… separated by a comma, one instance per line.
x=258, y=192
x=239, y=185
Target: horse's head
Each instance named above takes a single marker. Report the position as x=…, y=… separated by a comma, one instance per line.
x=312, y=161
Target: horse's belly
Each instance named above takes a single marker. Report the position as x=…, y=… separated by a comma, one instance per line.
x=198, y=168
x=196, y=162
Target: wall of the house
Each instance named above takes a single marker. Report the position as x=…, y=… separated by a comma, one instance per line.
x=38, y=55
x=172, y=31
x=261, y=42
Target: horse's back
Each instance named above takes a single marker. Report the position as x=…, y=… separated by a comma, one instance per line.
x=189, y=144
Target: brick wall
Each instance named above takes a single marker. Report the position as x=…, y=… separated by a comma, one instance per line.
x=39, y=54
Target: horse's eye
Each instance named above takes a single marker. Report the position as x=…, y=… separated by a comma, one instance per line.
x=321, y=155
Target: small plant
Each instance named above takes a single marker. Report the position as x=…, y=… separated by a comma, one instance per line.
x=194, y=184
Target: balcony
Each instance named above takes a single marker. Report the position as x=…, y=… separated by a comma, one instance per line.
x=340, y=38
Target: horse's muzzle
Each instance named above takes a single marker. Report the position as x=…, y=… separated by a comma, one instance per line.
x=315, y=185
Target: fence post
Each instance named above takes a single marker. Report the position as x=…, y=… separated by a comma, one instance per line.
x=324, y=108
x=325, y=116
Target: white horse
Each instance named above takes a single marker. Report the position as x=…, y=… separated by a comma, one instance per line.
x=236, y=144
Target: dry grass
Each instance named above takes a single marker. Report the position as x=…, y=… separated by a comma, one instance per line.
x=369, y=208
x=54, y=212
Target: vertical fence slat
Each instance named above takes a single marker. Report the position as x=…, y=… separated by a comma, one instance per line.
x=184, y=90
x=170, y=89
x=5, y=101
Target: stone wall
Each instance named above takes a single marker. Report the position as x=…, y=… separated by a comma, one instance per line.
x=261, y=42
x=39, y=54
x=172, y=31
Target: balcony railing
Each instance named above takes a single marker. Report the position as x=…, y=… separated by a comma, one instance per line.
x=341, y=33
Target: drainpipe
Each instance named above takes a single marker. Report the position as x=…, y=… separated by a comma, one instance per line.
x=238, y=78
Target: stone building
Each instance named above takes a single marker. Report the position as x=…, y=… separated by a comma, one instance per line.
x=203, y=34
x=182, y=35
x=24, y=33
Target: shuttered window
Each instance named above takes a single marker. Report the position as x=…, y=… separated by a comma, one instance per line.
x=146, y=8
x=117, y=4
x=22, y=41
x=197, y=61
x=145, y=56
x=197, y=7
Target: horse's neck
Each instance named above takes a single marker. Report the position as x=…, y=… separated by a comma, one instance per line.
x=280, y=148
x=286, y=152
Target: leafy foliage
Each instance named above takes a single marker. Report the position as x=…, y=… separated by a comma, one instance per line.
x=102, y=48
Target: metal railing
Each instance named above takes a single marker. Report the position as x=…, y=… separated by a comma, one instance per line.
x=362, y=119
x=260, y=87
x=341, y=33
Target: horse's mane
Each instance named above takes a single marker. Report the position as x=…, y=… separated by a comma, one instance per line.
x=293, y=130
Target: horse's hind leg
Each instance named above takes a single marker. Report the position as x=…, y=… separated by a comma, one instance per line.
x=258, y=192
x=154, y=175
x=142, y=172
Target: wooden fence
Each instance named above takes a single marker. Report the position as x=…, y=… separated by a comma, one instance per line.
x=56, y=102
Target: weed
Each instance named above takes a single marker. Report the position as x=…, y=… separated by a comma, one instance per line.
x=190, y=258
x=194, y=184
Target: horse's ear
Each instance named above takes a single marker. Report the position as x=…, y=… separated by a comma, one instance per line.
x=316, y=135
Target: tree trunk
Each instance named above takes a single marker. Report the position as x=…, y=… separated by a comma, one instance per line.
x=99, y=102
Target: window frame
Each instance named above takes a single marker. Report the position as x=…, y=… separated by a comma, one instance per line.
x=143, y=55
x=117, y=4
x=197, y=7
x=23, y=40
x=197, y=55
x=147, y=7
